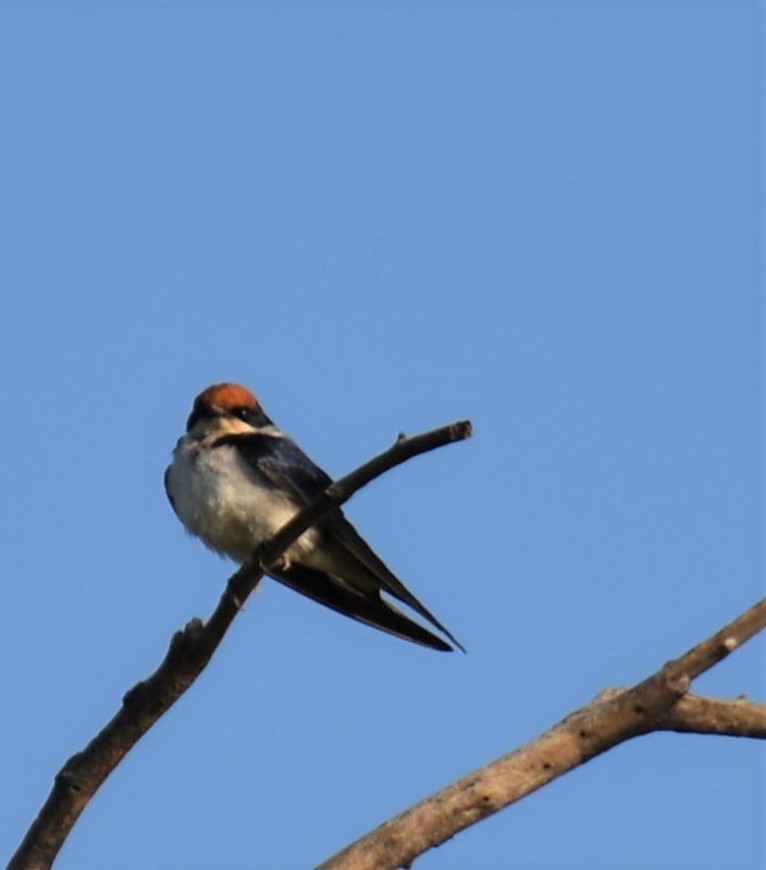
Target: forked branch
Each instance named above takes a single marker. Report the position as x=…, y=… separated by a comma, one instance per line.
x=659, y=703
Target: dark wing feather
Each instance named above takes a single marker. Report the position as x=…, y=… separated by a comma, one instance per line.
x=371, y=610
x=344, y=533
x=282, y=462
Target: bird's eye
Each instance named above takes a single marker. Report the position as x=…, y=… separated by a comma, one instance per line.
x=244, y=414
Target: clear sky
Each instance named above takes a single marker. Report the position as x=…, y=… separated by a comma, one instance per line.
x=384, y=217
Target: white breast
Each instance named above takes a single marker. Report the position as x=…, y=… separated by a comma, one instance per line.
x=229, y=505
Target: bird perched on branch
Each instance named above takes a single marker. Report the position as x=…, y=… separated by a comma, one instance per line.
x=236, y=479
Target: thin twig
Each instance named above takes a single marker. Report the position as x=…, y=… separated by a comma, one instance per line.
x=190, y=651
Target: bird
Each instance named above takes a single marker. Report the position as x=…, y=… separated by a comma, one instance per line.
x=236, y=478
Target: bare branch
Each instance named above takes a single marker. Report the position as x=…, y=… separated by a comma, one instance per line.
x=697, y=715
x=612, y=718
x=190, y=651
x=662, y=702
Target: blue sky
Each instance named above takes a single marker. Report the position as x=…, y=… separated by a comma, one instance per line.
x=382, y=218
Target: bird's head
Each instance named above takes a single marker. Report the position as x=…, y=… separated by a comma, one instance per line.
x=227, y=402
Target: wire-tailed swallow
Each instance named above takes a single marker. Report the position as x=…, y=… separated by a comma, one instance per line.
x=236, y=479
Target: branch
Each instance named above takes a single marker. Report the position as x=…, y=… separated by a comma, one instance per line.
x=697, y=715
x=190, y=651
x=658, y=703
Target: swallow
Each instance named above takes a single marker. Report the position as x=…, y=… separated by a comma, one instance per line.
x=235, y=479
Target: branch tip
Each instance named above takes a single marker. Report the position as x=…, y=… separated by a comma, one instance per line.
x=463, y=430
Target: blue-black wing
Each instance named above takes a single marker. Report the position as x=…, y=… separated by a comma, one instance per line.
x=370, y=609
x=282, y=462
x=288, y=468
